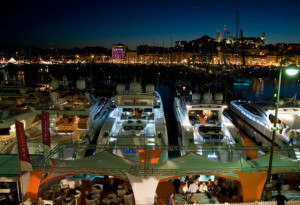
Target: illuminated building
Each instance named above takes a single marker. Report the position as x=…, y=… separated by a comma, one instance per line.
x=119, y=53
x=131, y=57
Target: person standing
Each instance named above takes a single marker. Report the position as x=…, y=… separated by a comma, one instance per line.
x=183, y=188
x=193, y=187
x=40, y=201
x=171, y=201
x=280, y=198
x=209, y=186
x=282, y=126
x=176, y=183
x=292, y=137
x=232, y=191
x=72, y=186
x=28, y=201
x=216, y=188
x=203, y=188
x=224, y=190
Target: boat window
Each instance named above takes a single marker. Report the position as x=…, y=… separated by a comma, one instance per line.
x=209, y=128
x=246, y=106
x=255, y=111
x=98, y=113
x=271, y=118
x=204, y=116
x=101, y=101
x=127, y=109
x=133, y=127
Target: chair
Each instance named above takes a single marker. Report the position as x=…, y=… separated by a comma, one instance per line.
x=58, y=200
x=69, y=203
x=77, y=197
x=56, y=189
x=47, y=194
x=90, y=202
x=64, y=183
x=95, y=194
x=98, y=188
x=121, y=193
x=112, y=196
x=78, y=182
x=127, y=199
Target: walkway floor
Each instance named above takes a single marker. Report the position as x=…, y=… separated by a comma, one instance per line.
x=248, y=142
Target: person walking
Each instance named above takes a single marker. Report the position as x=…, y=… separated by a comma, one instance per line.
x=292, y=137
x=280, y=198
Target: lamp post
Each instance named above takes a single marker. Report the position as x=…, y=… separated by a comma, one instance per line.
x=291, y=70
x=92, y=57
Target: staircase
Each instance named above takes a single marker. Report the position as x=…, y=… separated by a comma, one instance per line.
x=42, y=161
x=147, y=162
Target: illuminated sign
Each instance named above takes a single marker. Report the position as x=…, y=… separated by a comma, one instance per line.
x=130, y=151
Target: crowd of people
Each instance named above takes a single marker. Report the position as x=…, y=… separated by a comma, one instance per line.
x=71, y=190
x=218, y=189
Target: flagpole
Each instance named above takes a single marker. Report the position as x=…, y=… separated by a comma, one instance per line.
x=20, y=172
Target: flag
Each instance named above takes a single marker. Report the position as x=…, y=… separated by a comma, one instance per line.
x=228, y=32
x=134, y=102
x=46, y=131
x=24, y=159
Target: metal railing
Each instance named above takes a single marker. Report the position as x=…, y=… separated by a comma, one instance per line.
x=185, y=148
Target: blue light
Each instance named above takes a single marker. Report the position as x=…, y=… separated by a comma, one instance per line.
x=130, y=151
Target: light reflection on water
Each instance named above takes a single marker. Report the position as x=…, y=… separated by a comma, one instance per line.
x=264, y=88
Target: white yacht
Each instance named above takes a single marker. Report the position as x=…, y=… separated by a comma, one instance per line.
x=15, y=102
x=201, y=123
x=257, y=119
x=138, y=119
x=75, y=117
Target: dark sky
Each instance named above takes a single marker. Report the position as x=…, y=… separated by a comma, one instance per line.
x=68, y=24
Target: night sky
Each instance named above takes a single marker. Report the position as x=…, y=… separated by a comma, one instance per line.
x=68, y=24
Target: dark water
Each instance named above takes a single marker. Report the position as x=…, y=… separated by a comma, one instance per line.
x=264, y=88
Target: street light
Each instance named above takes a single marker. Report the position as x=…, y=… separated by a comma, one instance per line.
x=92, y=57
x=290, y=70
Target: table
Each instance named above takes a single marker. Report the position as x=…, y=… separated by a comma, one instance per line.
x=117, y=200
x=106, y=200
x=202, y=199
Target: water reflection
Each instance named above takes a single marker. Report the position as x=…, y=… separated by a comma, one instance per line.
x=263, y=88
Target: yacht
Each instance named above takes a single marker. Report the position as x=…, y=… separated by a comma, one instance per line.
x=138, y=119
x=16, y=99
x=75, y=117
x=257, y=120
x=202, y=123
x=183, y=88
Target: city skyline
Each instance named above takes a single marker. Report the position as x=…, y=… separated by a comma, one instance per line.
x=68, y=25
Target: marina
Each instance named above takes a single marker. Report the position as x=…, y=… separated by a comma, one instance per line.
x=133, y=124
x=150, y=103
